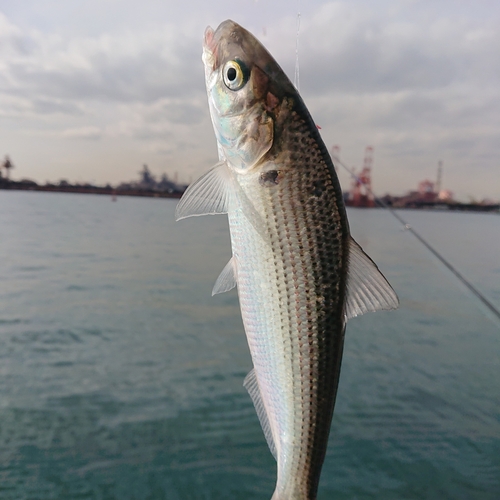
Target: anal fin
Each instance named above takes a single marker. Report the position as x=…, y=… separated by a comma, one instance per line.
x=251, y=385
x=227, y=278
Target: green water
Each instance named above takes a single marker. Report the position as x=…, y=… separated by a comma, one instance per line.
x=121, y=377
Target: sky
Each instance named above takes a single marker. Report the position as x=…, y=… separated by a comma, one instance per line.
x=90, y=90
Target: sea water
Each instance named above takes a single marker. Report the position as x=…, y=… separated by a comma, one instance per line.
x=121, y=377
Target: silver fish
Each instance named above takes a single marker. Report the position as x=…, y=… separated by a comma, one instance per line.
x=300, y=275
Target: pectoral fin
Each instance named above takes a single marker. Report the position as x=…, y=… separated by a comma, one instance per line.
x=367, y=288
x=209, y=195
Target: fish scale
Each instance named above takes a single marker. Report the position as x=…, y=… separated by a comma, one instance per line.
x=299, y=273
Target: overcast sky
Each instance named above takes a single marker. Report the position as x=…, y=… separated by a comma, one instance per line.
x=90, y=90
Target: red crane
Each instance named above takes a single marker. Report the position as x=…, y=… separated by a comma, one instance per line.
x=361, y=194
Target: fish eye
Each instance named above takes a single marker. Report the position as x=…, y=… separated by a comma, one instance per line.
x=235, y=74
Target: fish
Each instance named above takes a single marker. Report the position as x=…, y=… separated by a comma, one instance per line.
x=299, y=274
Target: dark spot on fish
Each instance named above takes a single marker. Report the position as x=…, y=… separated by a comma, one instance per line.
x=318, y=188
x=269, y=178
x=271, y=101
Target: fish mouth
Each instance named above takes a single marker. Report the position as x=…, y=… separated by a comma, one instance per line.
x=209, y=42
x=209, y=48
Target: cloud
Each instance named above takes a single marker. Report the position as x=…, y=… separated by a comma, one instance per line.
x=346, y=49
x=12, y=41
x=106, y=69
x=12, y=106
x=87, y=133
x=121, y=68
x=46, y=106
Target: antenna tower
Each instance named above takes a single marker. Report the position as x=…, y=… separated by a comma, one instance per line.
x=439, y=177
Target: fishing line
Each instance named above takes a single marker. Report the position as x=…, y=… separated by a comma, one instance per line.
x=296, y=81
x=424, y=242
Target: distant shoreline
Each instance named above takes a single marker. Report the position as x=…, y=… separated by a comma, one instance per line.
x=19, y=186
x=151, y=193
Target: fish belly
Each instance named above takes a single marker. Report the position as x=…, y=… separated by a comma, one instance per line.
x=290, y=253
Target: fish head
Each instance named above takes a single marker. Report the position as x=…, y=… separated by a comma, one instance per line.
x=245, y=87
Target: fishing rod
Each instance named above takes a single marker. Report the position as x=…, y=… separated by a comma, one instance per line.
x=492, y=308
x=424, y=242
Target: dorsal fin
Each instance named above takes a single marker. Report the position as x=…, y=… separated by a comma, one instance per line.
x=209, y=195
x=367, y=288
x=227, y=278
x=252, y=386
